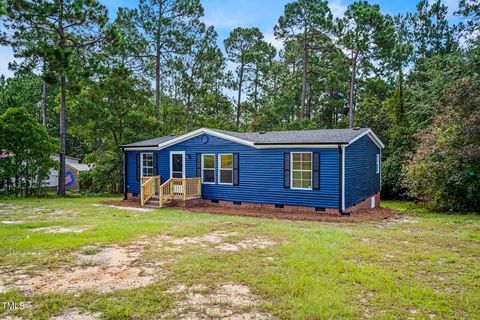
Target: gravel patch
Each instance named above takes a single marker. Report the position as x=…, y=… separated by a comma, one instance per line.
x=218, y=241
x=59, y=229
x=13, y=222
x=123, y=208
x=77, y=314
x=106, y=270
x=226, y=301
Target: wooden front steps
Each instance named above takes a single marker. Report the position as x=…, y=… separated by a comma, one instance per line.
x=178, y=190
x=155, y=203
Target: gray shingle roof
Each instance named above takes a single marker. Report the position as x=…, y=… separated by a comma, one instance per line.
x=333, y=136
x=150, y=143
x=330, y=136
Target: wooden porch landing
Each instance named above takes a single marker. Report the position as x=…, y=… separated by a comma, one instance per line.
x=153, y=194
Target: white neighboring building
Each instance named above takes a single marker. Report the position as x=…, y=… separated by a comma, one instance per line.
x=73, y=166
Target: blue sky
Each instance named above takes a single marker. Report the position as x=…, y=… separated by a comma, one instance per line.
x=225, y=15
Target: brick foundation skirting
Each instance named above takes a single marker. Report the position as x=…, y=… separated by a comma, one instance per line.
x=365, y=204
x=130, y=196
x=269, y=207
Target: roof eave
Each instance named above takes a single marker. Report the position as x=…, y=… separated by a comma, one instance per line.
x=372, y=136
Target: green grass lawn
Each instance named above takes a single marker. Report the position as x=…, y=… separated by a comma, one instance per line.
x=422, y=265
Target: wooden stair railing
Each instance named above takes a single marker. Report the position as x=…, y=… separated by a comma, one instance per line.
x=180, y=189
x=148, y=188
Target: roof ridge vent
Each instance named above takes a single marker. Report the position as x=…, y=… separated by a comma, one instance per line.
x=173, y=135
x=262, y=132
x=356, y=128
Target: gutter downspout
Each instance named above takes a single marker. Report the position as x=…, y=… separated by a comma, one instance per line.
x=124, y=174
x=341, y=180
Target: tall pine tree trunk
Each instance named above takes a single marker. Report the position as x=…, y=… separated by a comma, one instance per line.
x=63, y=140
x=239, y=101
x=44, y=104
x=352, y=88
x=157, y=82
x=62, y=124
x=188, y=114
x=402, y=107
x=304, y=75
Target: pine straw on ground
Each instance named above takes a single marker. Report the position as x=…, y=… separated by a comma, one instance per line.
x=362, y=215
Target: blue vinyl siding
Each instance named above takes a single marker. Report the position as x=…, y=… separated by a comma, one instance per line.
x=261, y=173
x=361, y=179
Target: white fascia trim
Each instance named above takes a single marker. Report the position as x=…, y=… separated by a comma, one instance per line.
x=140, y=148
x=200, y=131
x=372, y=136
x=295, y=146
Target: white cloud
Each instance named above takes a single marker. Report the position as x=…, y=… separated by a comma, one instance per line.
x=338, y=8
x=6, y=56
x=226, y=19
x=270, y=38
x=452, y=6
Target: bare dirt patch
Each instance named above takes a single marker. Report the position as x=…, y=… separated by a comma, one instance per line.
x=105, y=270
x=363, y=215
x=59, y=229
x=8, y=208
x=132, y=208
x=226, y=301
x=13, y=222
x=77, y=314
x=217, y=240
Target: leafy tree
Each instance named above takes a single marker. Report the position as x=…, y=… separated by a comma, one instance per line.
x=57, y=32
x=241, y=48
x=26, y=149
x=445, y=169
x=261, y=65
x=305, y=21
x=469, y=10
x=200, y=68
x=433, y=34
x=108, y=113
x=365, y=34
x=164, y=24
x=400, y=58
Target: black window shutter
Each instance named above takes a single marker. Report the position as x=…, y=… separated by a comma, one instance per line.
x=199, y=164
x=138, y=166
x=155, y=164
x=316, y=171
x=236, y=169
x=286, y=170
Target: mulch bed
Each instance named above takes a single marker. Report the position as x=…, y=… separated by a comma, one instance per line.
x=362, y=215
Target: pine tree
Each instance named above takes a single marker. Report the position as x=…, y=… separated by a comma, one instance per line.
x=58, y=32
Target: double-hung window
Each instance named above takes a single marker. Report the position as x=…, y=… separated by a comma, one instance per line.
x=208, y=168
x=225, y=169
x=147, y=164
x=301, y=170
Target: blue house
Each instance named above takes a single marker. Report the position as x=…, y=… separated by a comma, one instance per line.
x=333, y=171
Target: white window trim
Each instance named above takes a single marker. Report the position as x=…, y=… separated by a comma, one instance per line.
x=291, y=171
x=141, y=163
x=203, y=167
x=183, y=162
x=377, y=163
x=220, y=168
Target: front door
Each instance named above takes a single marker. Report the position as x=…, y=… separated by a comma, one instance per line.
x=177, y=169
x=177, y=165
